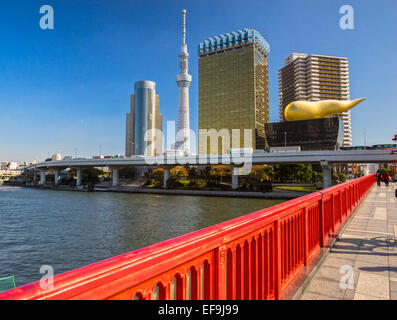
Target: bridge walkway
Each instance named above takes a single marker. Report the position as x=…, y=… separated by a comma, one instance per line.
x=362, y=264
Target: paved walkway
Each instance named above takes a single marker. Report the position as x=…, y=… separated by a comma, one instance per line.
x=362, y=264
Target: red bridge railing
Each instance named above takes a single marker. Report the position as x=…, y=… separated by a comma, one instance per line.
x=263, y=255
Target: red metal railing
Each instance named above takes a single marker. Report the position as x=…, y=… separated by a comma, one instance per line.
x=257, y=256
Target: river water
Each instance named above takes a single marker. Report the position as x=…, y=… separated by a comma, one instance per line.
x=67, y=230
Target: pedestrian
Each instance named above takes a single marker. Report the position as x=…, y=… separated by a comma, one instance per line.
x=378, y=177
x=386, y=178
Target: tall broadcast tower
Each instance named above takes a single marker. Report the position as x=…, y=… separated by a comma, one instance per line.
x=183, y=79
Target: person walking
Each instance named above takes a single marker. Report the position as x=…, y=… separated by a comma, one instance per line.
x=378, y=177
x=386, y=178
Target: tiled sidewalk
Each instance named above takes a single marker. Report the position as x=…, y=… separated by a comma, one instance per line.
x=363, y=262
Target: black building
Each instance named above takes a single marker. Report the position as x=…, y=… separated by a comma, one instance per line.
x=310, y=135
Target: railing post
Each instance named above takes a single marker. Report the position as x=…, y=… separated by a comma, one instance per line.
x=249, y=277
x=354, y=195
x=340, y=208
x=321, y=209
x=277, y=258
x=220, y=277
x=184, y=287
x=234, y=273
x=346, y=204
x=258, y=248
x=333, y=214
x=305, y=236
x=168, y=291
x=199, y=283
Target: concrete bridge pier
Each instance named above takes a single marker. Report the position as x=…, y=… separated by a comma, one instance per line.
x=115, y=177
x=327, y=178
x=56, y=177
x=79, y=177
x=235, y=171
x=166, y=175
x=42, y=177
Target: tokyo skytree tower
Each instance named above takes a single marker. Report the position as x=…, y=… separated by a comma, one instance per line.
x=183, y=79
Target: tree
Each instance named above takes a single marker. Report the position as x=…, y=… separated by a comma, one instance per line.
x=304, y=172
x=220, y=171
x=389, y=171
x=179, y=172
x=283, y=172
x=342, y=178
x=335, y=178
x=261, y=172
x=192, y=172
x=158, y=174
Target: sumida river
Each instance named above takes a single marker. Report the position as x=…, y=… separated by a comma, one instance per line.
x=67, y=230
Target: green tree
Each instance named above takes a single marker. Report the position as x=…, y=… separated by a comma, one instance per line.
x=335, y=178
x=304, y=172
x=261, y=172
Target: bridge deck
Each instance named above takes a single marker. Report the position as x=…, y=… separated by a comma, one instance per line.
x=365, y=250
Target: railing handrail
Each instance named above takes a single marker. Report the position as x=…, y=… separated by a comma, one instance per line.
x=144, y=264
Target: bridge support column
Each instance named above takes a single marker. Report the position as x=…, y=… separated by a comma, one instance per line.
x=115, y=177
x=235, y=171
x=56, y=177
x=42, y=177
x=79, y=177
x=327, y=179
x=166, y=176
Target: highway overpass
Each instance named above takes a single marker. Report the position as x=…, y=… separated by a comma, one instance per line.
x=237, y=161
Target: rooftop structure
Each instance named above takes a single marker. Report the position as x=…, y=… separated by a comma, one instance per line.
x=233, y=40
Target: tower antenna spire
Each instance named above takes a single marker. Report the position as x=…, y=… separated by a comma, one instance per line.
x=183, y=26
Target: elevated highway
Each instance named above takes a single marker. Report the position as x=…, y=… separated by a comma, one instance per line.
x=237, y=161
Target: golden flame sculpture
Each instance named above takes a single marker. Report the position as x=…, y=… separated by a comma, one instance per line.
x=307, y=110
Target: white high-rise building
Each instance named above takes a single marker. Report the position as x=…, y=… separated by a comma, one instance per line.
x=183, y=79
x=312, y=78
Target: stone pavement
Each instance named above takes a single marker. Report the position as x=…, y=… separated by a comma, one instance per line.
x=362, y=264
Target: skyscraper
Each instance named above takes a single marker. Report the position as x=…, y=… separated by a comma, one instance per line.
x=313, y=78
x=144, y=115
x=233, y=86
x=183, y=79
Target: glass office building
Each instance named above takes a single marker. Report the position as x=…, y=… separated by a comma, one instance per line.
x=233, y=87
x=144, y=115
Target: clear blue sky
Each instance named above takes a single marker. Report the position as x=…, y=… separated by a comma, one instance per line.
x=69, y=88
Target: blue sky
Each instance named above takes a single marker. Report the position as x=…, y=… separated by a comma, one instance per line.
x=68, y=88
